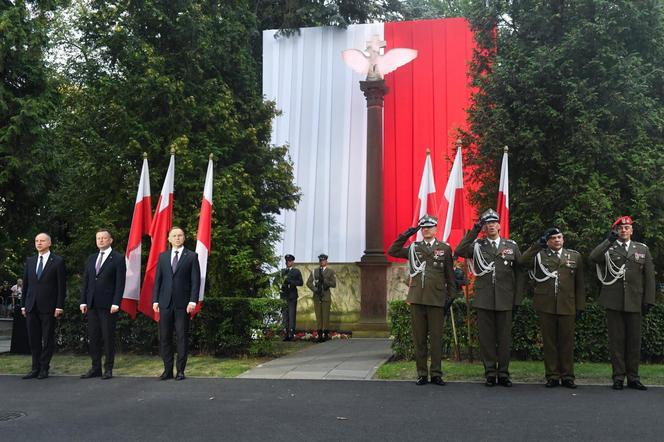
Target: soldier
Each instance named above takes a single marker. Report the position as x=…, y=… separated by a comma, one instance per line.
x=320, y=285
x=432, y=290
x=628, y=291
x=292, y=279
x=559, y=295
x=498, y=292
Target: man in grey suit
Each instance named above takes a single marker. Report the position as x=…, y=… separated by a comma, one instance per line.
x=174, y=297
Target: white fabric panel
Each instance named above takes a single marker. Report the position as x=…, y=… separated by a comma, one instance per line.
x=324, y=123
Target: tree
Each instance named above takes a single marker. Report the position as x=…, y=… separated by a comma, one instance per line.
x=576, y=90
x=27, y=99
x=155, y=75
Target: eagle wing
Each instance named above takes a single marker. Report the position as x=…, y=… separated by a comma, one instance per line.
x=356, y=60
x=394, y=58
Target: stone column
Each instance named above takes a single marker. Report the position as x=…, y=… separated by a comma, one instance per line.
x=374, y=264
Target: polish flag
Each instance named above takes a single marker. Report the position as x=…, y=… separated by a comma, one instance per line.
x=426, y=203
x=503, y=208
x=454, y=204
x=204, y=235
x=161, y=223
x=140, y=225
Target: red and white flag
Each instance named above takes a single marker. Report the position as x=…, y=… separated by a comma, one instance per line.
x=426, y=203
x=204, y=235
x=454, y=204
x=161, y=223
x=140, y=225
x=503, y=208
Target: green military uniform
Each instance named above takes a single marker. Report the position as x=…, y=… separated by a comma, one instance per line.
x=498, y=288
x=623, y=295
x=556, y=300
x=319, y=282
x=428, y=292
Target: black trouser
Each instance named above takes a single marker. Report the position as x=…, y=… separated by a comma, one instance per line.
x=177, y=318
x=624, y=343
x=41, y=333
x=495, y=330
x=101, y=326
x=288, y=314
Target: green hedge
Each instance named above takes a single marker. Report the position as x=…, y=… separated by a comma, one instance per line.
x=591, y=343
x=225, y=326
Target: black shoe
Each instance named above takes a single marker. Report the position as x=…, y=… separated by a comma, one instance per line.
x=31, y=375
x=569, y=383
x=43, y=374
x=421, y=380
x=438, y=381
x=167, y=374
x=326, y=335
x=179, y=376
x=92, y=373
x=505, y=382
x=108, y=374
x=552, y=383
x=490, y=381
x=320, y=336
x=617, y=385
x=636, y=385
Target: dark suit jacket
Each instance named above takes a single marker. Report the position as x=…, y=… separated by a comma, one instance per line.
x=292, y=278
x=180, y=288
x=47, y=292
x=105, y=289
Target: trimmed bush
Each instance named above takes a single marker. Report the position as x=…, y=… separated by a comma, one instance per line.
x=225, y=326
x=591, y=341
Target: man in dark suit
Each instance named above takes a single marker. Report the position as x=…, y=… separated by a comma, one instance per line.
x=44, y=290
x=174, y=297
x=291, y=280
x=101, y=293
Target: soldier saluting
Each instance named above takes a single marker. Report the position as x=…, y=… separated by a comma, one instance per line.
x=627, y=274
x=432, y=289
x=559, y=295
x=498, y=291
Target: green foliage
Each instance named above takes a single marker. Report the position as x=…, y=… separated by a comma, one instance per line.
x=225, y=326
x=575, y=89
x=590, y=344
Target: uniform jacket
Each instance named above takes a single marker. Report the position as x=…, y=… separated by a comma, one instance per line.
x=106, y=288
x=179, y=288
x=571, y=294
x=638, y=286
x=329, y=281
x=507, y=289
x=47, y=292
x=439, y=281
x=292, y=279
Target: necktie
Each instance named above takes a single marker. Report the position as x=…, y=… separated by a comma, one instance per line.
x=494, y=247
x=98, y=266
x=40, y=266
x=174, y=264
x=624, y=245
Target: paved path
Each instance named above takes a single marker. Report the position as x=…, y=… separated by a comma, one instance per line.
x=198, y=409
x=348, y=359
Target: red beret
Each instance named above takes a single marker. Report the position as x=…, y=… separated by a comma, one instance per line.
x=623, y=220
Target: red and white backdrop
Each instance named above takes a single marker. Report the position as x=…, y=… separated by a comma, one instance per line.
x=324, y=123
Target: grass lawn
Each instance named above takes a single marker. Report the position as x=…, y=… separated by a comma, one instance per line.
x=150, y=366
x=521, y=371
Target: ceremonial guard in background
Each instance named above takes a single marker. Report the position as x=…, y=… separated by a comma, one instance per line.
x=627, y=274
x=498, y=290
x=559, y=296
x=291, y=280
x=432, y=288
x=320, y=281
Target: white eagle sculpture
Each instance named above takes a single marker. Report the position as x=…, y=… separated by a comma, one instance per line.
x=375, y=64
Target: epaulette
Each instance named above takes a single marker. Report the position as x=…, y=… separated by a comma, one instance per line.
x=636, y=243
x=510, y=241
x=572, y=250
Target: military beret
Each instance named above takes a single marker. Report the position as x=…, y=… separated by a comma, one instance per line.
x=548, y=233
x=490, y=216
x=428, y=221
x=622, y=220
x=289, y=257
x=322, y=256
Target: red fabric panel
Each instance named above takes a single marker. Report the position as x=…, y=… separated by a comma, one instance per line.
x=425, y=105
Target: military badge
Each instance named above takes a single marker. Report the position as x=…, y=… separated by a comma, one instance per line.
x=438, y=253
x=507, y=252
x=638, y=255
